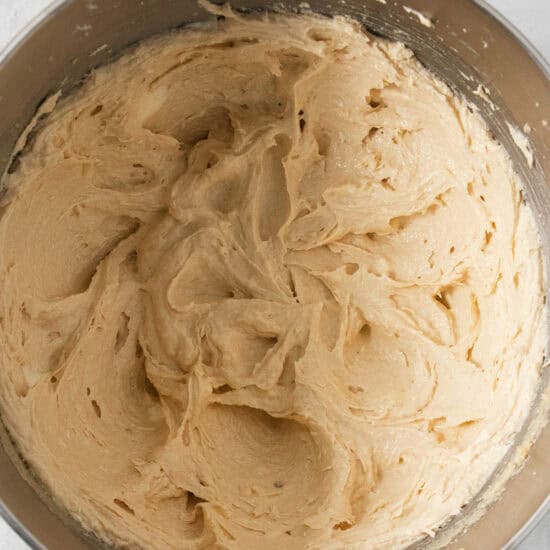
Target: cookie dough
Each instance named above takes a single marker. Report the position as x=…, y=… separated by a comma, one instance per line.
x=266, y=285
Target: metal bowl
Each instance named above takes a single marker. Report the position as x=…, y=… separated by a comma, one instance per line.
x=466, y=44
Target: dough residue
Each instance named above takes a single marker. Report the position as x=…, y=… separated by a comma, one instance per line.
x=422, y=19
x=522, y=143
x=267, y=285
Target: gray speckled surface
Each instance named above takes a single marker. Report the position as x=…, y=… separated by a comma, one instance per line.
x=529, y=16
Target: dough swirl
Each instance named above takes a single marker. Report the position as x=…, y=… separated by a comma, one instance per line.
x=267, y=285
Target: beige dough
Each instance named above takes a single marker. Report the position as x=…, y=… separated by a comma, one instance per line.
x=267, y=285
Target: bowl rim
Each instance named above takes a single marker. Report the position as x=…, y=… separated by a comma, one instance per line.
x=49, y=11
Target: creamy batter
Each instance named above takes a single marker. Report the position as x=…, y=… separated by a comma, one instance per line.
x=267, y=285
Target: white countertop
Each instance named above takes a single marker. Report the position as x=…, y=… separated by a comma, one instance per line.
x=531, y=17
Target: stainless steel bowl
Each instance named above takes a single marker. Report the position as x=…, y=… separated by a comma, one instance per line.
x=467, y=45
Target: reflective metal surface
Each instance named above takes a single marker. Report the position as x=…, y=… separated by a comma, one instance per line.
x=467, y=45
